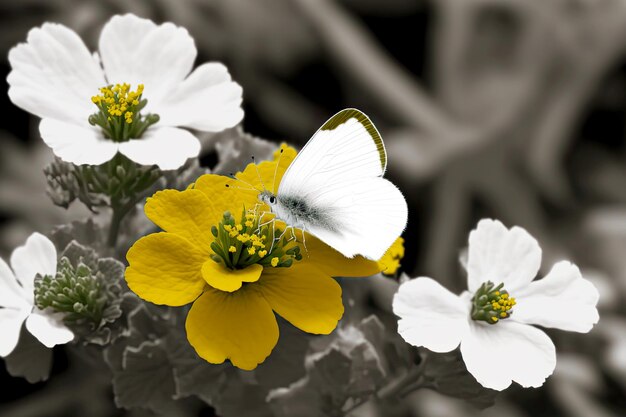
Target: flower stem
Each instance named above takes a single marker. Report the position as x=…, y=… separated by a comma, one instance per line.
x=114, y=228
x=398, y=387
x=119, y=212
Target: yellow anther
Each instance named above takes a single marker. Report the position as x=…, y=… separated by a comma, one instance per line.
x=251, y=250
x=239, y=227
x=503, y=315
x=262, y=253
x=274, y=261
x=233, y=233
x=494, y=319
x=249, y=224
x=232, y=249
x=228, y=227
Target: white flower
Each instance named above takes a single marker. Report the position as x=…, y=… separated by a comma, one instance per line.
x=37, y=256
x=54, y=76
x=493, y=325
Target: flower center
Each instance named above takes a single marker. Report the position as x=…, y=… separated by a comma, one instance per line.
x=119, y=112
x=492, y=303
x=251, y=241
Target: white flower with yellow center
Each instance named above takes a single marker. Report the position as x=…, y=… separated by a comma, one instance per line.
x=17, y=296
x=492, y=321
x=131, y=98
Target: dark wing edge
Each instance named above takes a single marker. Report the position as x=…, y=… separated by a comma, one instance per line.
x=347, y=114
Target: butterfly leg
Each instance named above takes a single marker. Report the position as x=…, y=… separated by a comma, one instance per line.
x=304, y=242
x=261, y=223
x=288, y=228
x=256, y=208
x=303, y=229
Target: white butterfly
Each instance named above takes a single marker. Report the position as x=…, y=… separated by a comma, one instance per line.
x=335, y=190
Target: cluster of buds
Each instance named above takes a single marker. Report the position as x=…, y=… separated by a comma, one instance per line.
x=74, y=291
x=118, y=181
x=87, y=291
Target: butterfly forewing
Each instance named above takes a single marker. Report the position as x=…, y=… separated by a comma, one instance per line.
x=335, y=190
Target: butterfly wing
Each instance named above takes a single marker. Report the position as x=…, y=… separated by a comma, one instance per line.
x=337, y=179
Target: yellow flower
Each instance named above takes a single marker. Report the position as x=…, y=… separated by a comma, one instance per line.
x=390, y=262
x=235, y=295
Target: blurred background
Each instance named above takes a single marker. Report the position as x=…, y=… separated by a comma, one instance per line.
x=513, y=109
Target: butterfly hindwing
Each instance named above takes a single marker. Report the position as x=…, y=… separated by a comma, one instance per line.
x=337, y=178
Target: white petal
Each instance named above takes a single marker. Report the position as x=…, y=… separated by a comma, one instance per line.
x=167, y=147
x=48, y=328
x=498, y=254
x=54, y=75
x=207, y=100
x=11, y=293
x=507, y=351
x=136, y=51
x=430, y=315
x=563, y=299
x=77, y=144
x=10, y=326
x=37, y=256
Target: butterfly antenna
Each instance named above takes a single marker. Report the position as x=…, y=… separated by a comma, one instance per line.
x=252, y=187
x=276, y=169
x=258, y=173
x=240, y=188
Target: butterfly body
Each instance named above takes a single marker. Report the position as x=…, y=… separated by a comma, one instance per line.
x=335, y=190
x=300, y=213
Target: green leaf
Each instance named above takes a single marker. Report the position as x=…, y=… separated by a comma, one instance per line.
x=348, y=366
x=77, y=253
x=447, y=374
x=297, y=400
x=30, y=359
x=234, y=149
x=83, y=232
x=240, y=397
x=286, y=363
x=193, y=375
x=145, y=379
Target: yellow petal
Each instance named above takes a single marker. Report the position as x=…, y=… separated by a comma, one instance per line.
x=305, y=296
x=165, y=269
x=390, y=262
x=232, y=198
x=189, y=214
x=334, y=263
x=239, y=326
x=267, y=170
x=224, y=279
